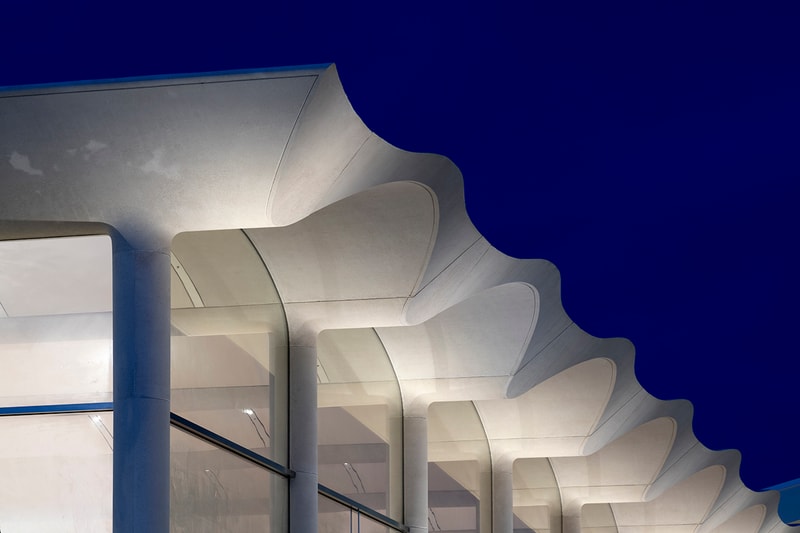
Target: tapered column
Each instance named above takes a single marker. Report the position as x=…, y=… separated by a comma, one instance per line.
x=415, y=466
x=303, y=439
x=503, y=499
x=141, y=390
x=278, y=430
x=485, y=504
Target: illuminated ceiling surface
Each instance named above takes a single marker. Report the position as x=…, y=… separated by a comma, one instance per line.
x=361, y=236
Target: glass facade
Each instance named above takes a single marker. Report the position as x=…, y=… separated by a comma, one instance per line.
x=56, y=425
x=335, y=517
x=229, y=354
x=228, y=467
x=212, y=490
x=228, y=462
x=229, y=376
x=229, y=347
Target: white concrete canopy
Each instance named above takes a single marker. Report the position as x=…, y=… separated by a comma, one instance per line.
x=384, y=282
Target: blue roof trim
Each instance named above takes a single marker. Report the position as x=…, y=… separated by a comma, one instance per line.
x=157, y=77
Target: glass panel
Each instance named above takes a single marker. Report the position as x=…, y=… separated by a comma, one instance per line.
x=222, y=382
x=335, y=517
x=56, y=473
x=359, y=420
x=213, y=490
x=368, y=525
x=55, y=321
x=459, y=469
x=229, y=348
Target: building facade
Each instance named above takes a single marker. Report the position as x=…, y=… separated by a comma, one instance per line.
x=231, y=307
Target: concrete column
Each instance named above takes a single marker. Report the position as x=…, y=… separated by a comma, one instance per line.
x=415, y=467
x=278, y=428
x=486, y=498
x=395, y=509
x=303, y=439
x=503, y=500
x=141, y=389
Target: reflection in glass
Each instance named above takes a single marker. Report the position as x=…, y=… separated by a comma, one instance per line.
x=55, y=321
x=214, y=491
x=229, y=347
x=359, y=420
x=56, y=473
x=222, y=382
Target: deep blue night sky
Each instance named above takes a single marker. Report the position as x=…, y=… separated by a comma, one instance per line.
x=651, y=151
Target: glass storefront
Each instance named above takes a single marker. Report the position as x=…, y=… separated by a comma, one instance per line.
x=229, y=381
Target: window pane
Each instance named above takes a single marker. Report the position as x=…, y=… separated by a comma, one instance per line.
x=55, y=321
x=213, y=490
x=224, y=383
x=56, y=473
x=335, y=517
x=229, y=348
x=359, y=420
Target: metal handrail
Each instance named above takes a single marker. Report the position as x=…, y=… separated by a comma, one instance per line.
x=362, y=509
x=236, y=449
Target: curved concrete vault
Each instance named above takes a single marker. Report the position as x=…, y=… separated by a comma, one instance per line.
x=370, y=246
